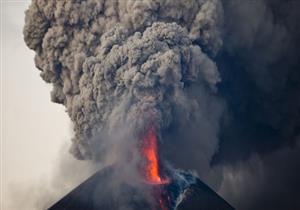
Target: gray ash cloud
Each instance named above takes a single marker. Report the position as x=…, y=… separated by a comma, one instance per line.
x=115, y=63
x=119, y=66
x=259, y=139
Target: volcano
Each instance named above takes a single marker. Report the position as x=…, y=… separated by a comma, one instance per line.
x=183, y=192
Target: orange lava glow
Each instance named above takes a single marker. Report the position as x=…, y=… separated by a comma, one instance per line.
x=151, y=167
x=149, y=151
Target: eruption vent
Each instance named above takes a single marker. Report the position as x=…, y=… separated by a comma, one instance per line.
x=149, y=151
x=152, y=167
x=185, y=193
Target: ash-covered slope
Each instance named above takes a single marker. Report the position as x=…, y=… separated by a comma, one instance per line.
x=97, y=193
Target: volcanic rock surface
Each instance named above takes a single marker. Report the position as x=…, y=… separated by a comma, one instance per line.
x=98, y=193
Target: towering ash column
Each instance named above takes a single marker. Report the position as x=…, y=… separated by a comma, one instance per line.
x=116, y=64
x=123, y=67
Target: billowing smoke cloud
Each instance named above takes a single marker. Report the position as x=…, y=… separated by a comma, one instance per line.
x=122, y=66
x=132, y=64
x=260, y=80
x=259, y=65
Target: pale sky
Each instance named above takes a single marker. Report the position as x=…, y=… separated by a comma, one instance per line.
x=34, y=130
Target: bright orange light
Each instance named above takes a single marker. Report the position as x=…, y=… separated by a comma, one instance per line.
x=151, y=167
x=149, y=151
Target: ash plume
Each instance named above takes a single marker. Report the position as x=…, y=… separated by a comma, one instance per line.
x=125, y=63
x=259, y=137
x=122, y=66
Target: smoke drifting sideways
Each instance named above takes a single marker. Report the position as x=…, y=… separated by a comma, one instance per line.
x=259, y=133
x=120, y=67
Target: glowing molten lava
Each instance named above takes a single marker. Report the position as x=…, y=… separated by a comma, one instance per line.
x=149, y=151
x=151, y=167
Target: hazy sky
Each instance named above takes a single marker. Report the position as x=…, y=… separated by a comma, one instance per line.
x=30, y=122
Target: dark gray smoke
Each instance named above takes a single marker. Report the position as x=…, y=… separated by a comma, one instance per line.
x=120, y=67
x=259, y=139
x=269, y=182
